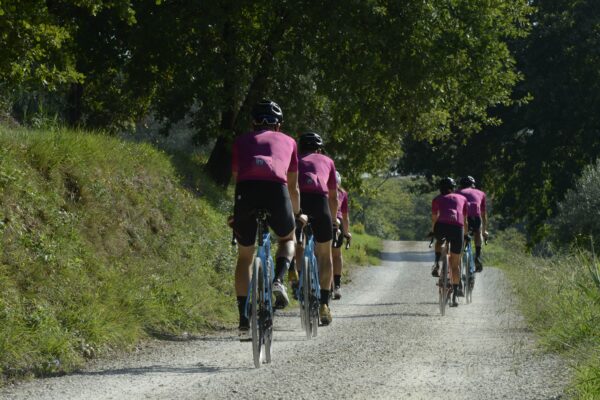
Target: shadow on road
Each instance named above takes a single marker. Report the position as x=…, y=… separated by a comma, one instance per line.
x=159, y=369
x=407, y=314
x=407, y=256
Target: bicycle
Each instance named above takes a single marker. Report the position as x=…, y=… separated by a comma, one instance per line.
x=259, y=303
x=309, y=290
x=468, y=271
x=444, y=287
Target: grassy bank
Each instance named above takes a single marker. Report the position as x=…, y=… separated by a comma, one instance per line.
x=560, y=297
x=102, y=247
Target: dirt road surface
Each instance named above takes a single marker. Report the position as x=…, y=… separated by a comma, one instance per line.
x=387, y=341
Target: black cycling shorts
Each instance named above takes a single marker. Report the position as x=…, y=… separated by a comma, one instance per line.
x=452, y=233
x=316, y=206
x=474, y=224
x=254, y=195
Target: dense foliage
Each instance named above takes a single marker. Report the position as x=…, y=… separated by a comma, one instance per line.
x=394, y=208
x=364, y=72
x=547, y=137
x=579, y=211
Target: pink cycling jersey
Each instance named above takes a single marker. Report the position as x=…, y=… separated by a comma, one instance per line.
x=316, y=173
x=342, y=203
x=451, y=208
x=264, y=156
x=476, y=199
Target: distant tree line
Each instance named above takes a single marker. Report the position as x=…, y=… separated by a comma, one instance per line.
x=550, y=131
x=367, y=74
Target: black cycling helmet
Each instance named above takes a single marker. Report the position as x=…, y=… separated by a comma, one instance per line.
x=310, y=141
x=267, y=112
x=467, y=181
x=446, y=184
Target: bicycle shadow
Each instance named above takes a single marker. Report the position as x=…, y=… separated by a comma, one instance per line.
x=198, y=368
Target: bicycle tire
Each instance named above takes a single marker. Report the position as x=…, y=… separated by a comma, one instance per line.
x=255, y=320
x=314, y=296
x=466, y=284
x=268, y=311
x=306, y=294
x=443, y=290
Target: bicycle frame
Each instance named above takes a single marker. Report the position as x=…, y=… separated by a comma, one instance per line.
x=445, y=276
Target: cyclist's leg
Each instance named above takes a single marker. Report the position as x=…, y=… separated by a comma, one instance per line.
x=281, y=220
x=338, y=262
x=456, y=246
x=244, y=226
x=439, y=234
x=317, y=207
x=475, y=222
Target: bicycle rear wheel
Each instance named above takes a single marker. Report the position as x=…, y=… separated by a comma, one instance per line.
x=443, y=285
x=256, y=324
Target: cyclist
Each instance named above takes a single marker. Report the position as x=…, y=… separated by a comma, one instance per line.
x=265, y=169
x=449, y=220
x=318, y=200
x=476, y=214
x=336, y=251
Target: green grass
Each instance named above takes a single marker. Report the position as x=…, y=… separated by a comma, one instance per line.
x=560, y=297
x=101, y=247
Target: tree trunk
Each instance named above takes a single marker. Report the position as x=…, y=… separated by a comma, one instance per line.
x=219, y=162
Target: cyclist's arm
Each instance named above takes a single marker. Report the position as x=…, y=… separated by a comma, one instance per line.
x=294, y=191
x=484, y=221
x=434, y=218
x=333, y=203
x=345, y=224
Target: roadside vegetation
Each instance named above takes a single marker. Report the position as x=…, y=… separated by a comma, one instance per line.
x=560, y=297
x=560, y=292
x=102, y=246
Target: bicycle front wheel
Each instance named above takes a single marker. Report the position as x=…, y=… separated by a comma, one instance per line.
x=443, y=285
x=257, y=293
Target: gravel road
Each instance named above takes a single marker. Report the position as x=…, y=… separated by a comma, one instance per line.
x=387, y=341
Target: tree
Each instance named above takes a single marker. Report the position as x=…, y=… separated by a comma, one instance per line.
x=530, y=161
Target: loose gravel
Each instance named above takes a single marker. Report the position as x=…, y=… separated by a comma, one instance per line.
x=387, y=341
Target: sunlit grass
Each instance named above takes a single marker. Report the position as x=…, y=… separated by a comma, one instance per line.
x=100, y=247
x=561, y=299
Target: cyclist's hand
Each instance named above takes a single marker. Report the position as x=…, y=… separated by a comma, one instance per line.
x=486, y=235
x=348, y=235
x=430, y=234
x=230, y=221
x=301, y=220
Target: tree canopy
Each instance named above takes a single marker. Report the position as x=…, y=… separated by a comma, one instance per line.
x=364, y=73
